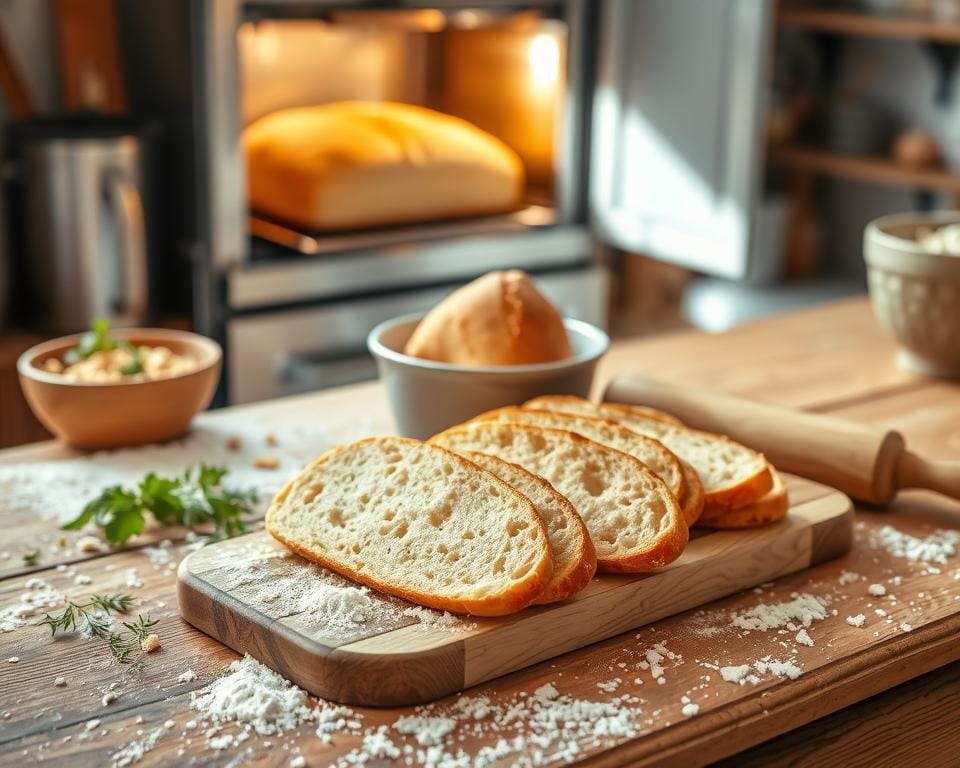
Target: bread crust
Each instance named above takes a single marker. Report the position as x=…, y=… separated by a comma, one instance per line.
x=565, y=582
x=668, y=546
x=603, y=410
x=773, y=506
x=692, y=505
x=521, y=594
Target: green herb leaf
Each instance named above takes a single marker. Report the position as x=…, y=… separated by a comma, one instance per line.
x=195, y=499
x=97, y=339
x=30, y=558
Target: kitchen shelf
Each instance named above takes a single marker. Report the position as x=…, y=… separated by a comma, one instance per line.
x=870, y=25
x=865, y=168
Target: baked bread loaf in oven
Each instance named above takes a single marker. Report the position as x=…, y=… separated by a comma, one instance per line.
x=350, y=165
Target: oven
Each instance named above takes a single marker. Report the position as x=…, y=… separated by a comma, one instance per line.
x=583, y=92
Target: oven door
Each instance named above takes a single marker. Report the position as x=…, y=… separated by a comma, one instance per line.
x=678, y=130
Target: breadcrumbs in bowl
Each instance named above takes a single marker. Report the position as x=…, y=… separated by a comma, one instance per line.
x=91, y=404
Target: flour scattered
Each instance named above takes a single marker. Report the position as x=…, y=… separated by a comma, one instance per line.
x=779, y=668
x=134, y=752
x=40, y=597
x=935, y=548
x=437, y=619
x=801, y=611
x=803, y=638
x=877, y=590
x=848, y=577
x=428, y=731
x=187, y=677
x=856, y=621
x=256, y=695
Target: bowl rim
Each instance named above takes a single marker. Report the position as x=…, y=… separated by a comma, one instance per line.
x=27, y=369
x=596, y=335
x=876, y=233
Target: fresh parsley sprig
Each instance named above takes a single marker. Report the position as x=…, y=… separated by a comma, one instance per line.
x=92, y=618
x=194, y=499
x=98, y=339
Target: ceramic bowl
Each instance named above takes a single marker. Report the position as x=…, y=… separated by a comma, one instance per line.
x=117, y=414
x=427, y=396
x=915, y=293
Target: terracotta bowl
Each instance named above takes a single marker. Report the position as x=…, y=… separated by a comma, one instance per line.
x=95, y=416
x=427, y=396
x=915, y=293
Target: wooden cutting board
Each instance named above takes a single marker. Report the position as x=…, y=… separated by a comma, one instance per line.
x=245, y=592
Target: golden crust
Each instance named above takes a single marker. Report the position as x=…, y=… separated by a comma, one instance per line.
x=520, y=595
x=668, y=546
x=773, y=506
x=692, y=504
x=603, y=410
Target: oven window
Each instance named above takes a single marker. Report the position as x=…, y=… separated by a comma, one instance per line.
x=502, y=76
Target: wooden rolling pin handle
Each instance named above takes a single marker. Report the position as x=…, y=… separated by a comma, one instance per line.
x=941, y=476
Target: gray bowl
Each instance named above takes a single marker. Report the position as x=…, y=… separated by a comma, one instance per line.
x=428, y=397
x=915, y=293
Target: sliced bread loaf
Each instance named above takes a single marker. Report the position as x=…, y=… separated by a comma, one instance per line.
x=633, y=519
x=692, y=505
x=416, y=521
x=574, y=558
x=652, y=453
x=772, y=506
x=572, y=404
x=732, y=474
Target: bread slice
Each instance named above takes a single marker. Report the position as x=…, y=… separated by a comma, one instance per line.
x=574, y=558
x=652, y=453
x=692, y=505
x=732, y=474
x=773, y=506
x=633, y=519
x=572, y=404
x=416, y=521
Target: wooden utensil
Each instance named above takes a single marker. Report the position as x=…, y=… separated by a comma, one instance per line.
x=392, y=659
x=868, y=463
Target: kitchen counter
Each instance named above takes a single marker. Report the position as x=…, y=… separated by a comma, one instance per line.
x=880, y=694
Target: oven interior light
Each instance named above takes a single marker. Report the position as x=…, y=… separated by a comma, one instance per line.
x=544, y=57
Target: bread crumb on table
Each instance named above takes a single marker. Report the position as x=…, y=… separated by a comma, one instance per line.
x=150, y=643
x=266, y=462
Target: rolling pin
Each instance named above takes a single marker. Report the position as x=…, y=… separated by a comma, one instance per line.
x=867, y=463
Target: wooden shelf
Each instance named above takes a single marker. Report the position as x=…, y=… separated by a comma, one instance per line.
x=870, y=25
x=871, y=170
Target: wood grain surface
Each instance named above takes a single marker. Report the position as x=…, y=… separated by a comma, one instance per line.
x=831, y=359
x=399, y=661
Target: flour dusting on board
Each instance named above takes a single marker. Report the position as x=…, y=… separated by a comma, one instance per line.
x=60, y=488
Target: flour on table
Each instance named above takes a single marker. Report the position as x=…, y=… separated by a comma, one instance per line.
x=856, y=621
x=934, y=548
x=803, y=638
x=801, y=611
x=39, y=598
x=848, y=577
x=253, y=694
x=134, y=751
x=59, y=489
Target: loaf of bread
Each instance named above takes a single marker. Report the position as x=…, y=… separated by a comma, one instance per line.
x=416, y=521
x=574, y=558
x=350, y=165
x=772, y=506
x=633, y=519
x=498, y=319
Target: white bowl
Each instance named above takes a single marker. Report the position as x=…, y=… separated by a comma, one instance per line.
x=427, y=396
x=915, y=293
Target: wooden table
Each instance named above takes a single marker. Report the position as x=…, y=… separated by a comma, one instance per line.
x=832, y=359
